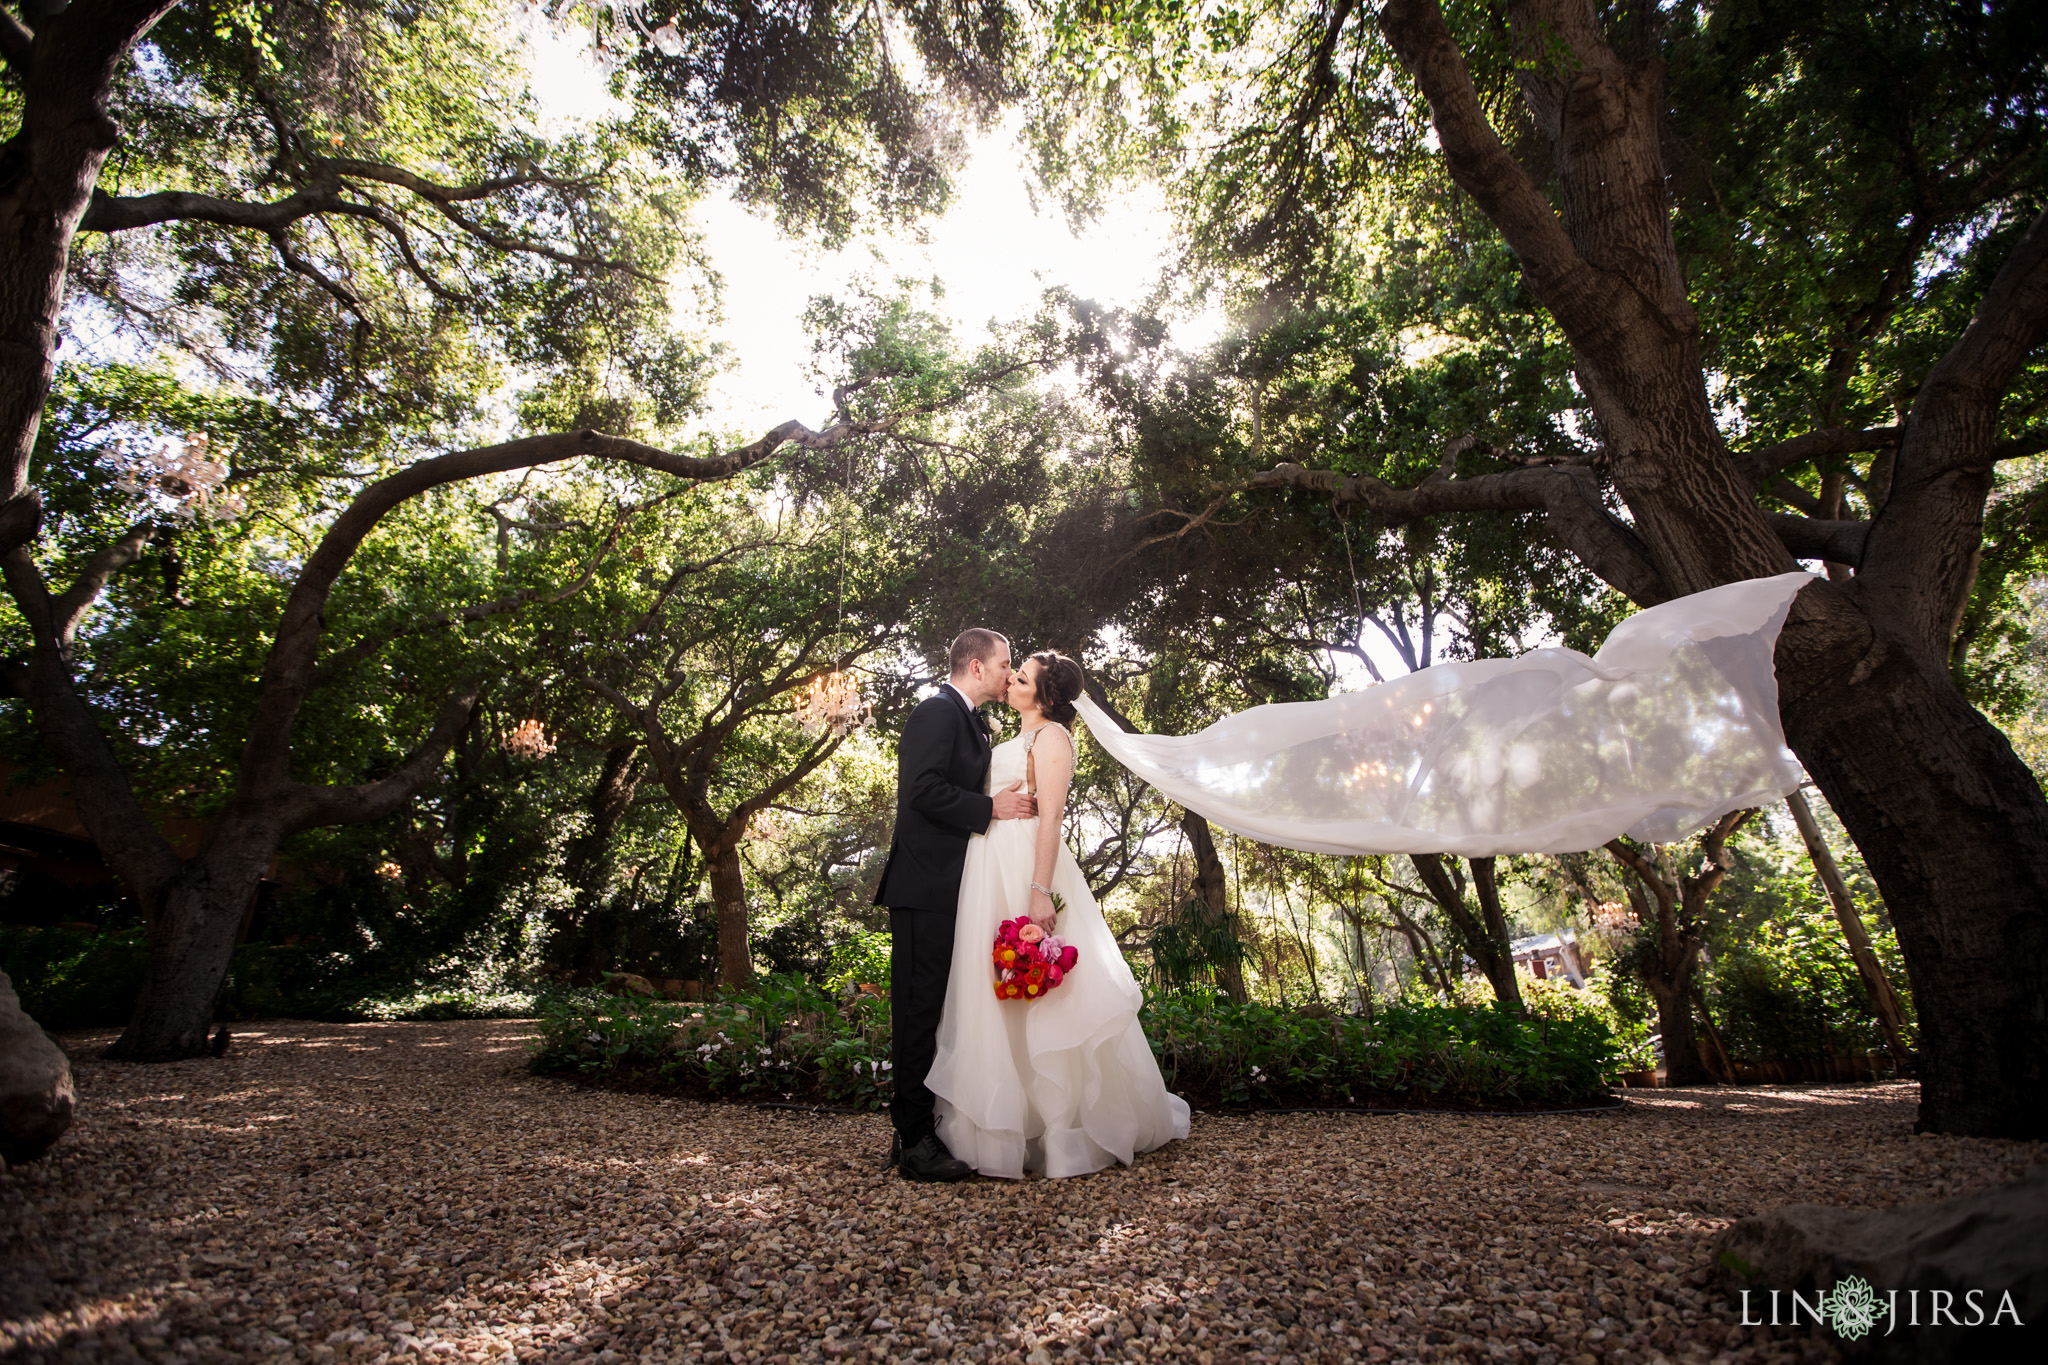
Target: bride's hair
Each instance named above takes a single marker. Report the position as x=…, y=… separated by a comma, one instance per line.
x=1059, y=682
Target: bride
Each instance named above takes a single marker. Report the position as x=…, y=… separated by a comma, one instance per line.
x=1065, y=1084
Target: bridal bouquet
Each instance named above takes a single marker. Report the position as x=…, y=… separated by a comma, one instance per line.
x=1029, y=961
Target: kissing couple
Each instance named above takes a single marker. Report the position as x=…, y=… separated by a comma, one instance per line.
x=1064, y=1083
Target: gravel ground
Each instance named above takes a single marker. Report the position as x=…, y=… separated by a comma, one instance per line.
x=405, y=1192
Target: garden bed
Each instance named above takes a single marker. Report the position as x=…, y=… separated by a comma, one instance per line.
x=791, y=1041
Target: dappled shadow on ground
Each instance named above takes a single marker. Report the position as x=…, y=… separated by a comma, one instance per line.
x=406, y=1192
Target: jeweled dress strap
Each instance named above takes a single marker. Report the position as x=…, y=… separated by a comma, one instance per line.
x=1031, y=737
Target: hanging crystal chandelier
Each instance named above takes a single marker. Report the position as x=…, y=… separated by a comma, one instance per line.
x=529, y=740
x=831, y=704
x=618, y=28
x=1613, y=920
x=187, y=477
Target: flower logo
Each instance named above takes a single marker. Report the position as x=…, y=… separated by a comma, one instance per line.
x=1853, y=1307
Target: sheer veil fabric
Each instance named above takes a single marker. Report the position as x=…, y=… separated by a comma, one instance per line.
x=1066, y=1084
x=1672, y=724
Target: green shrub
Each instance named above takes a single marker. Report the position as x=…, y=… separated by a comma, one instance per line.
x=1407, y=1055
x=784, y=1037
x=84, y=978
x=1791, y=992
x=862, y=960
x=75, y=978
x=788, y=1038
x=1554, y=999
x=449, y=1002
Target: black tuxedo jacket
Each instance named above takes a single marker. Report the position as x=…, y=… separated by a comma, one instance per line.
x=941, y=767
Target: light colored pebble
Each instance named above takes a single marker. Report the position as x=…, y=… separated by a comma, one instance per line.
x=399, y=1194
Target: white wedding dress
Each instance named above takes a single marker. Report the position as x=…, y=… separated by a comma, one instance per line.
x=1065, y=1084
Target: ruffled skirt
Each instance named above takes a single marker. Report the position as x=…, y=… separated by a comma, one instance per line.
x=1065, y=1084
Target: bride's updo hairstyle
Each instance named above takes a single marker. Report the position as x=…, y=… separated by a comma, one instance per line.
x=1059, y=682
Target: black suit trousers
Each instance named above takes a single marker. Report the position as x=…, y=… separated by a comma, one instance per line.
x=920, y=960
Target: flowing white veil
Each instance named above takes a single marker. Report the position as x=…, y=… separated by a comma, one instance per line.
x=1672, y=724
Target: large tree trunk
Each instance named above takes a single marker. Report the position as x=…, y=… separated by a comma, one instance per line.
x=729, y=898
x=51, y=165
x=1212, y=890
x=192, y=936
x=1668, y=974
x=1953, y=827
x=1485, y=935
x=1950, y=822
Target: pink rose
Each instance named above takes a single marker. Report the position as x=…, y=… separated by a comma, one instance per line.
x=1052, y=977
x=1069, y=955
x=1030, y=933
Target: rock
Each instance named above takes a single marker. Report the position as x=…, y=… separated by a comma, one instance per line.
x=36, y=1097
x=626, y=983
x=1991, y=1243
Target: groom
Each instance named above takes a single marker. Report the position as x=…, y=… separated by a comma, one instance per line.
x=941, y=766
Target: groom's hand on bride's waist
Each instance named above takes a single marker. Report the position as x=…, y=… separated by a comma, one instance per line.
x=1012, y=804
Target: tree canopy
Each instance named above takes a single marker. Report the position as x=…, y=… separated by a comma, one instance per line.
x=1533, y=312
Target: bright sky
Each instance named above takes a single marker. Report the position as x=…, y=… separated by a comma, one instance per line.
x=993, y=252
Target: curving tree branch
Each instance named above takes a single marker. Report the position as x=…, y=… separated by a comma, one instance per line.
x=1568, y=495
x=17, y=44
x=1758, y=465
x=326, y=191
x=1837, y=542
x=299, y=265
x=110, y=213
x=1924, y=541
x=1588, y=301
x=400, y=238
x=265, y=792
x=310, y=807
x=67, y=610
x=288, y=673
x=444, y=194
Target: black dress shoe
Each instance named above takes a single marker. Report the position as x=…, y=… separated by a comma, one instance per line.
x=928, y=1159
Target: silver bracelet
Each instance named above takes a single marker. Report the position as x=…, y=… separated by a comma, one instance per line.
x=1041, y=890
